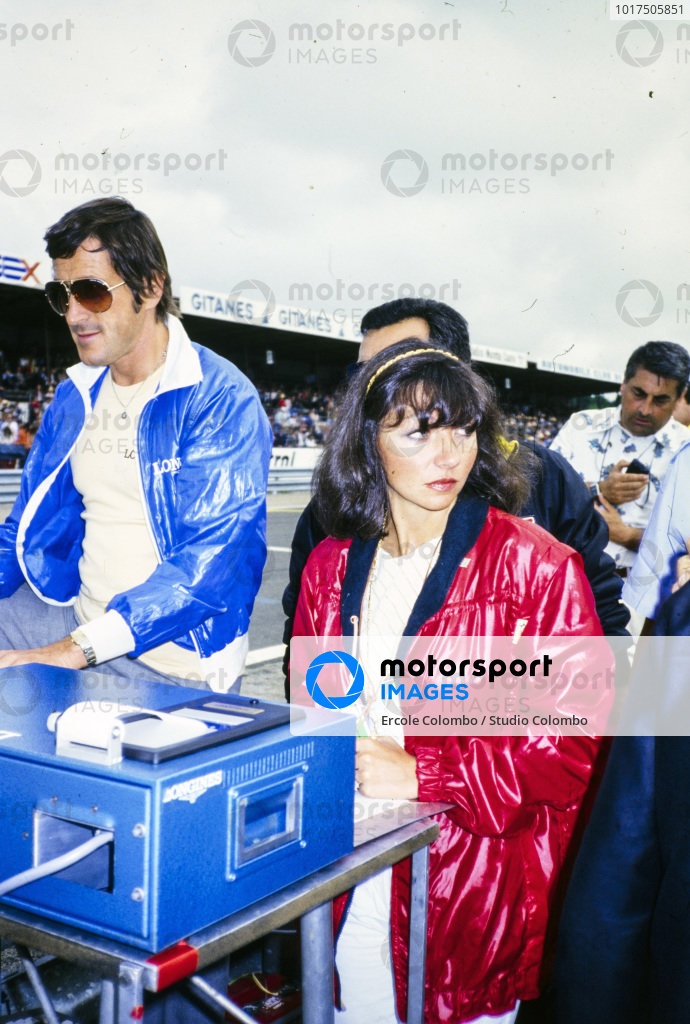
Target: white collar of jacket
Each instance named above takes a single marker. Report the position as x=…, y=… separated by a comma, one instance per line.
x=181, y=369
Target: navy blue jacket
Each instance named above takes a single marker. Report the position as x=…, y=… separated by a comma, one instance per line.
x=624, y=944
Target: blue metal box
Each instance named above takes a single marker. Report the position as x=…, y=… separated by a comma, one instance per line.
x=194, y=837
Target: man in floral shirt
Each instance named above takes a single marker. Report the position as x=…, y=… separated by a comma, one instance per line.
x=601, y=443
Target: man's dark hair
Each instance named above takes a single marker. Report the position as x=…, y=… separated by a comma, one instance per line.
x=350, y=488
x=129, y=238
x=662, y=358
x=447, y=328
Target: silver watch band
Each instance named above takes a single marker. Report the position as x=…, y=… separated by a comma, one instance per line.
x=79, y=637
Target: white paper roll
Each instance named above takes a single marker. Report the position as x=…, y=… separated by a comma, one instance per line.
x=87, y=723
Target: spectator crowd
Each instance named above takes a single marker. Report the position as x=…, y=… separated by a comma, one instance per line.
x=300, y=416
x=25, y=394
x=529, y=424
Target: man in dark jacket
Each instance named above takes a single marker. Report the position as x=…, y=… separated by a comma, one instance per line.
x=559, y=501
x=624, y=943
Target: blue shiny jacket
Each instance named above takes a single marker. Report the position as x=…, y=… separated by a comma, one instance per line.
x=204, y=445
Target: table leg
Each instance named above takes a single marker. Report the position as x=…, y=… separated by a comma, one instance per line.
x=317, y=965
x=107, y=1010
x=419, y=902
x=130, y=994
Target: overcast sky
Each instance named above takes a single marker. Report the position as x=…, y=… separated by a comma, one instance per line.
x=317, y=148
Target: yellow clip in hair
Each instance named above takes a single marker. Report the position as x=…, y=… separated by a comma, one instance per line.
x=406, y=355
x=507, y=447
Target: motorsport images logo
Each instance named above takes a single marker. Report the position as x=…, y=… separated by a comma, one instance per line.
x=335, y=658
x=20, y=173
x=449, y=685
x=640, y=303
x=406, y=172
x=252, y=43
x=639, y=44
x=261, y=47
x=415, y=174
x=244, y=290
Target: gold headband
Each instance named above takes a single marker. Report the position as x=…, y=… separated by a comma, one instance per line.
x=405, y=355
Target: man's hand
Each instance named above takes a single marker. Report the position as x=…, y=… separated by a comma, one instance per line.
x=682, y=570
x=619, y=487
x=384, y=769
x=628, y=536
x=63, y=654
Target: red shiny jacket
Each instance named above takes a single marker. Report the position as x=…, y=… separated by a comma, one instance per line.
x=494, y=870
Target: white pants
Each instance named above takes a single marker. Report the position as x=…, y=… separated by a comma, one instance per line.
x=505, y=1018
x=363, y=959
x=363, y=955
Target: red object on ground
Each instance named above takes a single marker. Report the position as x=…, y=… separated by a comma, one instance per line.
x=270, y=998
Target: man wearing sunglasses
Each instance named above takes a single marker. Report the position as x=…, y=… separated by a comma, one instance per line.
x=138, y=538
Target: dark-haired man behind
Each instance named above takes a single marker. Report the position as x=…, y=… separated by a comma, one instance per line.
x=601, y=443
x=140, y=527
x=558, y=501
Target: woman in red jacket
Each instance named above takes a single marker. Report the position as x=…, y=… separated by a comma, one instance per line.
x=415, y=489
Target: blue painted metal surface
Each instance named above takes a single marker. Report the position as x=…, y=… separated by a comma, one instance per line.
x=195, y=838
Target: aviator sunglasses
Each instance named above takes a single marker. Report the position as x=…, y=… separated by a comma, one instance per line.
x=92, y=294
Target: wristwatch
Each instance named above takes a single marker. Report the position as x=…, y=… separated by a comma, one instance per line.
x=79, y=637
x=594, y=490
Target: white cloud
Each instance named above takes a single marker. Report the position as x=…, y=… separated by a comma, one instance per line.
x=283, y=177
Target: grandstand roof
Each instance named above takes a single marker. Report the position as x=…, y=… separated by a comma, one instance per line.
x=269, y=342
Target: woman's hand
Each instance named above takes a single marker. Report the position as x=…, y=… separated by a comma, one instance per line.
x=384, y=769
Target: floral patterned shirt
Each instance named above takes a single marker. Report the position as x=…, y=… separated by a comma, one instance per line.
x=594, y=440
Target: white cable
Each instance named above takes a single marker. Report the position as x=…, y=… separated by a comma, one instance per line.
x=51, y=867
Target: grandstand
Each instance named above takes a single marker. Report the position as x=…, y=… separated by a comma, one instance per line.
x=276, y=346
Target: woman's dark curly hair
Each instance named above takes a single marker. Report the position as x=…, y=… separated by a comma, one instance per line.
x=350, y=489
